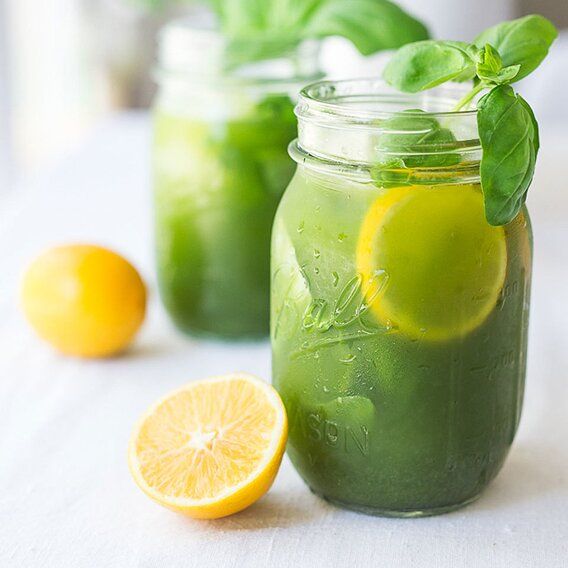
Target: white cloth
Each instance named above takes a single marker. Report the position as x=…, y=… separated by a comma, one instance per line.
x=66, y=497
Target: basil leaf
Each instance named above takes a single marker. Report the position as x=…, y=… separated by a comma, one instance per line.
x=490, y=67
x=419, y=141
x=490, y=62
x=392, y=173
x=523, y=42
x=410, y=142
x=426, y=64
x=255, y=48
x=260, y=29
x=239, y=18
x=507, y=74
x=372, y=25
x=509, y=137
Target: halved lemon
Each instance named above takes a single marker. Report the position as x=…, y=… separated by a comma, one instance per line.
x=431, y=264
x=212, y=447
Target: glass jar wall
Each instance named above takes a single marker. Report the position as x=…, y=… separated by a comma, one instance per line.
x=399, y=315
x=220, y=168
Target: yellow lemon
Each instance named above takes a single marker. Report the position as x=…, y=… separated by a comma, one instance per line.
x=85, y=300
x=212, y=447
x=431, y=264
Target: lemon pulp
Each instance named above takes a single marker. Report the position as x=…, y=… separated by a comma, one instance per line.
x=442, y=265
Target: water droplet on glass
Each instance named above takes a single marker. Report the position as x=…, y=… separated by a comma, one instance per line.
x=317, y=253
x=301, y=227
x=341, y=237
x=335, y=278
x=348, y=358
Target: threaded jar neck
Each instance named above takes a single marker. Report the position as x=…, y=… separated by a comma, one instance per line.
x=358, y=125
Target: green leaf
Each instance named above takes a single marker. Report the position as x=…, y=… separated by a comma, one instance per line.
x=523, y=42
x=409, y=141
x=372, y=25
x=240, y=18
x=507, y=74
x=490, y=67
x=256, y=48
x=426, y=64
x=509, y=137
x=272, y=27
x=490, y=62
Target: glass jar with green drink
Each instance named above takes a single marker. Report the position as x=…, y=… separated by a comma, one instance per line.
x=399, y=314
x=220, y=167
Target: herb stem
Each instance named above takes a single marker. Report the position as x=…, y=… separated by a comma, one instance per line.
x=470, y=96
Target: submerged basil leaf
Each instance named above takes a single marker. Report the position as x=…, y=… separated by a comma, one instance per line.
x=412, y=142
x=510, y=142
x=420, y=141
x=392, y=173
x=523, y=42
x=426, y=64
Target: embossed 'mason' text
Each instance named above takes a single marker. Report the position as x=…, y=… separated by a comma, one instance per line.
x=342, y=437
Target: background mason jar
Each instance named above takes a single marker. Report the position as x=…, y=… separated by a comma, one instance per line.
x=220, y=164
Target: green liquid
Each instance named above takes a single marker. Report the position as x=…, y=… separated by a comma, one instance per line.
x=217, y=187
x=383, y=419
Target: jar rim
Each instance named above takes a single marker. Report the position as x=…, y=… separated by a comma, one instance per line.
x=343, y=100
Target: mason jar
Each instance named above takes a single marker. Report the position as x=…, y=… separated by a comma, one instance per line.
x=399, y=315
x=220, y=163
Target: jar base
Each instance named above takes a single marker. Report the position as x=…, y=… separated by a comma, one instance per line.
x=399, y=514
x=223, y=337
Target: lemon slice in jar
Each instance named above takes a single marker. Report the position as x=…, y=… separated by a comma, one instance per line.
x=442, y=265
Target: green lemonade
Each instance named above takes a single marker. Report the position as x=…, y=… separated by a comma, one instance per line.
x=399, y=313
x=399, y=330
x=217, y=186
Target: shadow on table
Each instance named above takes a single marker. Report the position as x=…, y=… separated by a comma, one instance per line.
x=276, y=510
x=529, y=473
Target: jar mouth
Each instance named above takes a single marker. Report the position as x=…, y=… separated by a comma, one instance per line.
x=368, y=100
x=364, y=123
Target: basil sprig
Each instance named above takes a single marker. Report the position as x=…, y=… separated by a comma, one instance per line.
x=507, y=126
x=260, y=29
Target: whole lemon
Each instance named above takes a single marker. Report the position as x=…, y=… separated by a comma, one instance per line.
x=85, y=300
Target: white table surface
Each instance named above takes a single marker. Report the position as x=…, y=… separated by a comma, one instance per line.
x=66, y=497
